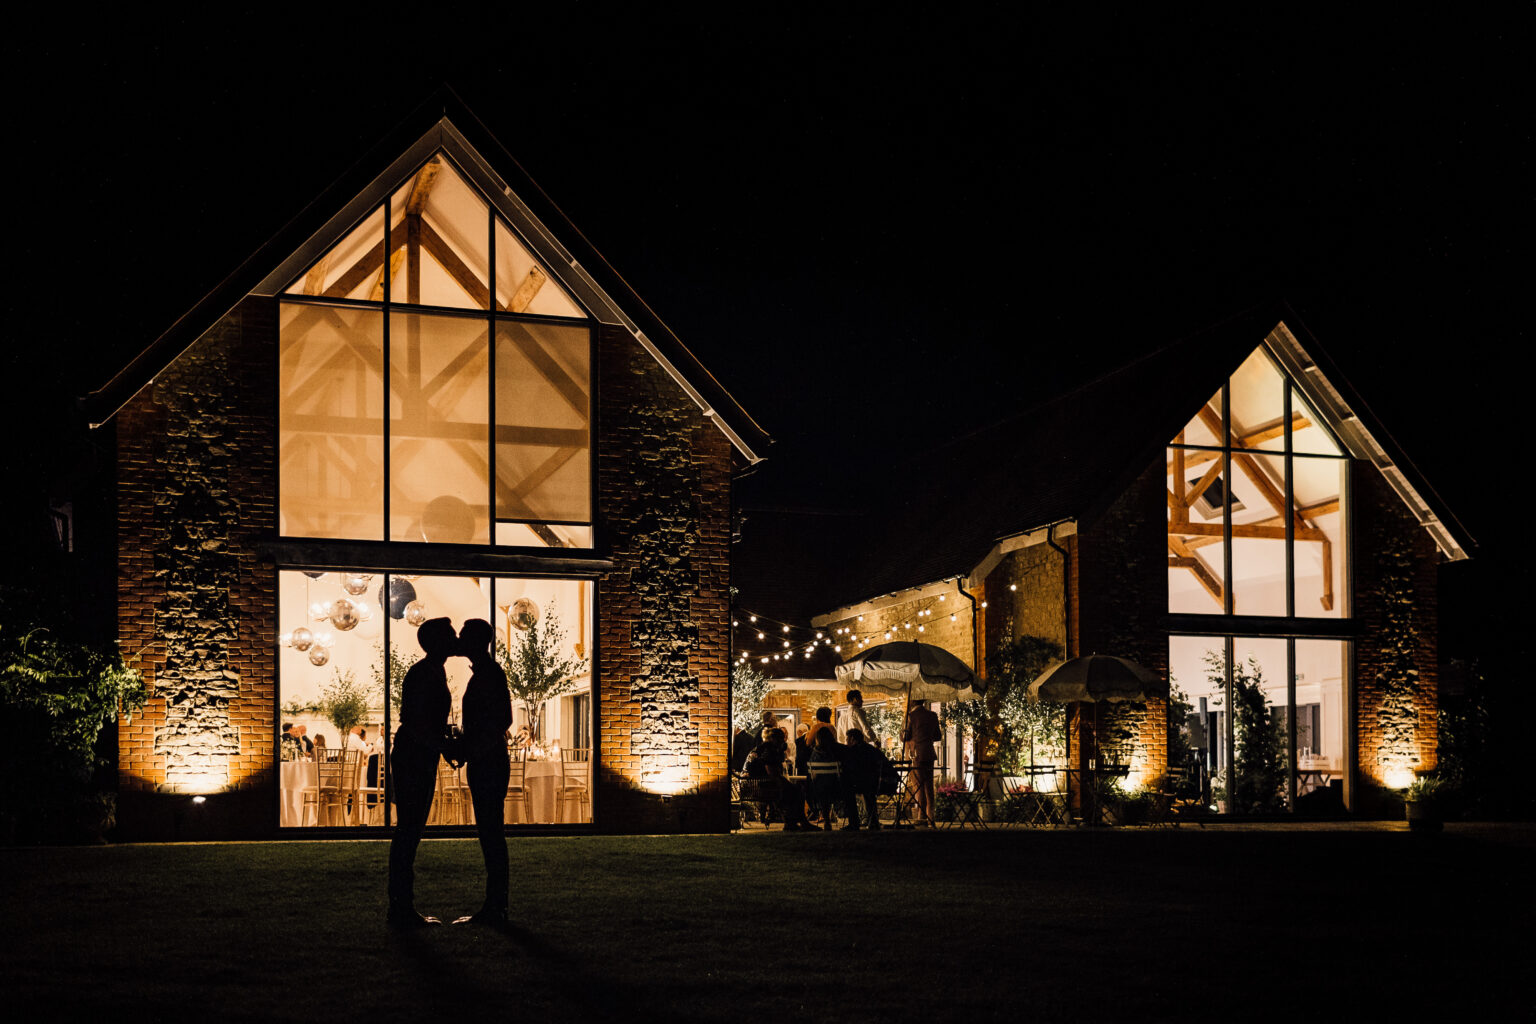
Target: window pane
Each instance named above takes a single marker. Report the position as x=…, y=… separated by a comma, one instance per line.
x=522, y=286
x=1307, y=432
x=1205, y=426
x=352, y=269
x=1258, y=404
x=1196, y=667
x=331, y=422
x=1320, y=545
x=330, y=649
x=1258, y=534
x=543, y=428
x=439, y=430
x=1196, y=552
x=1261, y=759
x=1320, y=718
x=438, y=240
x=552, y=714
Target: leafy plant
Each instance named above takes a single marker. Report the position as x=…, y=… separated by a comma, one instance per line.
x=538, y=668
x=344, y=702
x=56, y=696
x=390, y=676
x=1259, y=732
x=749, y=691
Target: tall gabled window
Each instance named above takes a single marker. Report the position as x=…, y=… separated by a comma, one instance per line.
x=435, y=382
x=1256, y=493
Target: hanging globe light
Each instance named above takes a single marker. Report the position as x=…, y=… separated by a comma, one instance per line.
x=302, y=639
x=356, y=583
x=319, y=611
x=315, y=575
x=415, y=613
x=319, y=655
x=344, y=614
x=401, y=594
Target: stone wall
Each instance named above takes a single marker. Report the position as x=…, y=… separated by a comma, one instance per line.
x=1396, y=566
x=196, y=609
x=664, y=612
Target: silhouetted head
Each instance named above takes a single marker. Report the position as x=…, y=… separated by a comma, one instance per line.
x=855, y=737
x=825, y=739
x=475, y=639
x=770, y=720
x=437, y=637
x=824, y=715
x=287, y=727
x=855, y=698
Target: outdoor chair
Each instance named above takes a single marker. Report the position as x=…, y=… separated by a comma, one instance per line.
x=968, y=807
x=825, y=785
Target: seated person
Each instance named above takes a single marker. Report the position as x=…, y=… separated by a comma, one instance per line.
x=766, y=764
x=862, y=764
x=290, y=747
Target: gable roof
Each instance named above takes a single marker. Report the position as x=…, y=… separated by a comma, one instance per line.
x=444, y=124
x=946, y=513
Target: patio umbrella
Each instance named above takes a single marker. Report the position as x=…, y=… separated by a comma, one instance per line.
x=920, y=672
x=1097, y=677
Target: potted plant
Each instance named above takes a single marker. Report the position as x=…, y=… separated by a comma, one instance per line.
x=1426, y=802
x=947, y=797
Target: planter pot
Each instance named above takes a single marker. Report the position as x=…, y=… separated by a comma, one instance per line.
x=1423, y=816
x=988, y=811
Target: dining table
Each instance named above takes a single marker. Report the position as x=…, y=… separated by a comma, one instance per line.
x=542, y=780
x=294, y=778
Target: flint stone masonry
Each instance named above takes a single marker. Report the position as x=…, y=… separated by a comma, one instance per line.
x=194, y=494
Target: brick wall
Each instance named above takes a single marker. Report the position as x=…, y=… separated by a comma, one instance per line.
x=1396, y=567
x=664, y=612
x=1121, y=597
x=196, y=610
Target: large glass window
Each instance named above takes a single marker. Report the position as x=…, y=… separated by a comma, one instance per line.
x=347, y=641
x=1258, y=744
x=487, y=438
x=1256, y=492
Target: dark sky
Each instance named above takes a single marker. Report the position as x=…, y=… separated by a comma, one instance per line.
x=875, y=230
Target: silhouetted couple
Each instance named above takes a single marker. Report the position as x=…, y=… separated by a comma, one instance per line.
x=423, y=737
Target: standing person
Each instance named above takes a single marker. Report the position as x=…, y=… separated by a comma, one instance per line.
x=424, y=703
x=487, y=716
x=852, y=717
x=921, y=733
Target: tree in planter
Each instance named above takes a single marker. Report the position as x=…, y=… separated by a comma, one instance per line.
x=388, y=678
x=537, y=666
x=344, y=703
x=55, y=698
x=1180, y=753
x=1259, y=734
x=749, y=692
x=1019, y=729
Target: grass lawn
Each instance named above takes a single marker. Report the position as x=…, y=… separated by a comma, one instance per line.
x=1020, y=925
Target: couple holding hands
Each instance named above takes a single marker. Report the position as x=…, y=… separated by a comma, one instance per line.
x=423, y=737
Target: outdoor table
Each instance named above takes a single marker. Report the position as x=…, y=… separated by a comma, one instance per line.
x=906, y=793
x=1313, y=773
x=1087, y=779
x=1050, y=805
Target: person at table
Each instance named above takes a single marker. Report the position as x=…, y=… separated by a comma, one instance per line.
x=826, y=788
x=320, y=743
x=290, y=747
x=767, y=764
x=424, y=704
x=921, y=733
x=742, y=744
x=823, y=721
x=862, y=764
x=357, y=739
x=852, y=717
x=487, y=708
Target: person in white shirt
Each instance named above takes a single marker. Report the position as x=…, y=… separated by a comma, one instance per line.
x=852, y=717
x=355, y=739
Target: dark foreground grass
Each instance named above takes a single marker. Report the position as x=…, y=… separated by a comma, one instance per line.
x=1122, y=925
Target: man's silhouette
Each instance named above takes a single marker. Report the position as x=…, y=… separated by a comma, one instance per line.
x=424, y=703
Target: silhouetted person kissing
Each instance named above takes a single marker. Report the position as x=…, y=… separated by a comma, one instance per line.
x=424, y=703
x=487, y=717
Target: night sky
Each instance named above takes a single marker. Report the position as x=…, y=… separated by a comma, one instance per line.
x=876, y=231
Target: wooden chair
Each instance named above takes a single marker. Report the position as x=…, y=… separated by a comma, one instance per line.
x=336, y=783
x=451, y=798
x=369, y=808
x=517, y=788
x=575, y=763
x=310, y=798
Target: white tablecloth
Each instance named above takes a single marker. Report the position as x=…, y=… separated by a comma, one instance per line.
x=542, y=779
x=295, y=776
